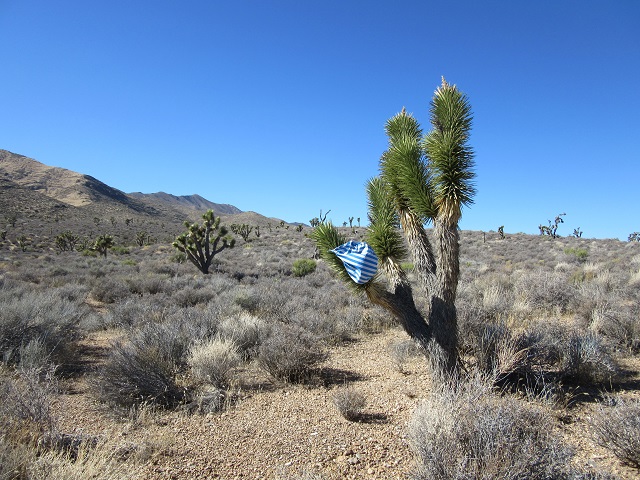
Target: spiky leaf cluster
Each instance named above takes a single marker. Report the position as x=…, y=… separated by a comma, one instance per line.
x=450, y=156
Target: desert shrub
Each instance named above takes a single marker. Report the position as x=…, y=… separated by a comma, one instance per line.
x=208, y=398
x=144, y=369
x=467, y=432
x=135, y=374
x=146, y=284
x=618, y=322
x=246, y=331
x=290, y=352
x=43, y=319
x=248, y=299
x=303, y=266
x=617, y=427
x=72, y=292
x=585, y=360
x=349, y=402
x=27, y=397
x=136, y=311
x=544, y=291
x=109, y=290
x=580, y=254
x=212, y=360
x=191, y=296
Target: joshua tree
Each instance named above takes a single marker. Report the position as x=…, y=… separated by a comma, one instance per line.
x=577, y=232
x=501, y=232
x=242, y=229
x=200, y=243
x=11, y=219
x=634, y=237
x=66, y=241
x=141, y=238
x=552, y=229
x=423, y=179
x=23, y=242
x=102, y=244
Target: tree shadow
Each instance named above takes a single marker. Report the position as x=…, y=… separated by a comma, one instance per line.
x=373, y=418
x=327, y=377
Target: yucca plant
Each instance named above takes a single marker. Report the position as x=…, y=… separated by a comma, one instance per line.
x=424, y=179
x=200, y=243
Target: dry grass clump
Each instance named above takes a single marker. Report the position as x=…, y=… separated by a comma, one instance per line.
x=211, y=361
x=25, y=410
x=402, y=351
x=616, y=426
x=349, y=402
x=468, y=432
x=246, y=331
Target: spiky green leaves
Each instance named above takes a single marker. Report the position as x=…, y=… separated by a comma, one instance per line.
x=450, y=157
x=383, y=233
x=403, y=168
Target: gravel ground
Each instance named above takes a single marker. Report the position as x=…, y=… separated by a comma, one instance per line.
x=278, y=431
x=292, y=431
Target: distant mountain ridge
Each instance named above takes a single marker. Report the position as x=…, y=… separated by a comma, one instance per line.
x=78, y=190
x=190, y=202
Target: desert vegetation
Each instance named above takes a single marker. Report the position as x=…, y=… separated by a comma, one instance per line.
x=140, y=342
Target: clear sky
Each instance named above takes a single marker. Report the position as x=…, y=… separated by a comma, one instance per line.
x=278, y=106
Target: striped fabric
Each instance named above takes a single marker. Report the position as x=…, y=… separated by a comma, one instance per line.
x=359, y=259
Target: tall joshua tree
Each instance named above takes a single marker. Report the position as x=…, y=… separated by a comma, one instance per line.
x=424, y=179
x=200, y=243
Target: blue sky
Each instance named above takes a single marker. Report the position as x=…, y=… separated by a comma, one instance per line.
x=279, y=106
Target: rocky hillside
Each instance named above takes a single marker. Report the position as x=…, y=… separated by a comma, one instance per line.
x=41, y=201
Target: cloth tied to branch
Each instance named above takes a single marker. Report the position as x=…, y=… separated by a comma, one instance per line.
x=359, y=259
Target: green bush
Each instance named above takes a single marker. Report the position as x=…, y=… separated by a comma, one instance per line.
x=303, y=266
x=580, y=254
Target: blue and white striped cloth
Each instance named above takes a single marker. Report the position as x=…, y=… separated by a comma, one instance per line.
x=359, y=259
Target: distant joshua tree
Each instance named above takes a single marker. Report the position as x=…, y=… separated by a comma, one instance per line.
x=242, y=229
x=577, y=232
x=501, y=232
x=11, y=219
x=102, y=244
x=634, y=237
x=552, y=229
x=23, y=242
x=200, y=243
x=66, y=241
x=141, y=238
x=422, y=179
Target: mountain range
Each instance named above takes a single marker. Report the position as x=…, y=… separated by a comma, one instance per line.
x=59, y=188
